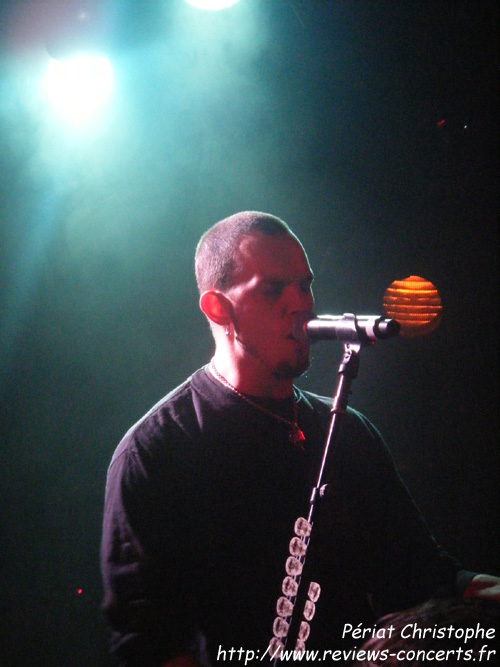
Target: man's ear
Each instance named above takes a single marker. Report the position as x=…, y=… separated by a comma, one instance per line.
x=217, y=307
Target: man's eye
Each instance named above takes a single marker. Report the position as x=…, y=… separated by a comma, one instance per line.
x=273, y=289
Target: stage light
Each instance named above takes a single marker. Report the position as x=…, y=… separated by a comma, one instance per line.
x=415, y=303
x=77, y=87
x=211, y=5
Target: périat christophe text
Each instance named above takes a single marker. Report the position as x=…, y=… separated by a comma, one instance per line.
x=412, y=632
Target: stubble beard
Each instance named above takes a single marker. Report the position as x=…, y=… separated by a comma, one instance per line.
x=286, y=370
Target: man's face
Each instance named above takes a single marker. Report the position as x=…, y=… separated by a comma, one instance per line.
x=271, y=287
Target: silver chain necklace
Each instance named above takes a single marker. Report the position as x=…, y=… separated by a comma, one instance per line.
x=296, y=435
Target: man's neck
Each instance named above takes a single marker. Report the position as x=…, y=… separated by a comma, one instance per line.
x=252, y=379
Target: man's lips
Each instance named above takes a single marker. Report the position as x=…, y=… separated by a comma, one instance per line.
x=302, y=344
x=300, y=321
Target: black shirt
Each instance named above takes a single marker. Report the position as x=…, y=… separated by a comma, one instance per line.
x=201, y=500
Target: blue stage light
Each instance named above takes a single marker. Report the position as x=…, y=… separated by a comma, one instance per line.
x=212, y=4
x=77, y=87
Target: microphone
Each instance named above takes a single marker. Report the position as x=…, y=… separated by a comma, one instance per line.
x=346, y=328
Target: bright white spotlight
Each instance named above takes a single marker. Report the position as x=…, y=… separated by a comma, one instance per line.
x=79, y=86
x=212, y=4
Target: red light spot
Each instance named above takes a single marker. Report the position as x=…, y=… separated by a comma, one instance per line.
x=440, y=123
x=79, y=591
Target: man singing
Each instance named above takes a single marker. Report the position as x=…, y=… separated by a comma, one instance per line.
x=204, y=491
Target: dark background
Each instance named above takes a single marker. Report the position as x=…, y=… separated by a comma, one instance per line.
x=326, y=113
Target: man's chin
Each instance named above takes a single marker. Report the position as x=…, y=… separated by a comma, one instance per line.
x=289, y=371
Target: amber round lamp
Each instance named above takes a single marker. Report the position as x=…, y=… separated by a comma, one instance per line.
x=415, y=303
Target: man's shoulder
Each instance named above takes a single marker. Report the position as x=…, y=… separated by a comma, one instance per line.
x=173, y=418
x=359, y=450
x=323, y=405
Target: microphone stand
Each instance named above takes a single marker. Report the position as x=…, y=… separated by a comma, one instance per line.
x=288, y=622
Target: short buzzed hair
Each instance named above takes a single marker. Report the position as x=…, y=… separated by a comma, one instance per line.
x=214, y=258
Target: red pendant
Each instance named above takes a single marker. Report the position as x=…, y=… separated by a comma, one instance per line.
x=297, y=437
